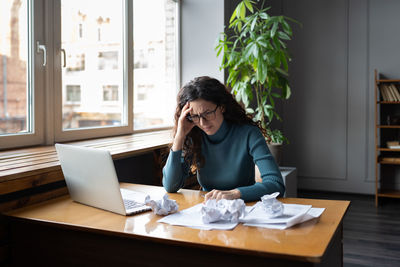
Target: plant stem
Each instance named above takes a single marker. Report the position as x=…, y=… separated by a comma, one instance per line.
x=260, y=104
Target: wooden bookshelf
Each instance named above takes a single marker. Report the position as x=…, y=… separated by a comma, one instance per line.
x=387, y=128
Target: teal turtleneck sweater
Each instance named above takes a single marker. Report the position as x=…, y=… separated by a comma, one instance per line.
x=230, y=155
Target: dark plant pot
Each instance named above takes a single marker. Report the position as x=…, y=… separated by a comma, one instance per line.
x=276, y=151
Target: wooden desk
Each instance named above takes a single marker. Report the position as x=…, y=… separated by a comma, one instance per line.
x=61, y=232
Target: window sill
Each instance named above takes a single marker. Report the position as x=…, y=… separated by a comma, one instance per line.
x=28, y=168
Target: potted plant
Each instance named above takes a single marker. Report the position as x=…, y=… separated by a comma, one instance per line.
x=255, y=53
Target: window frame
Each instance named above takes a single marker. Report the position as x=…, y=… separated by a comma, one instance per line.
x=47, y=84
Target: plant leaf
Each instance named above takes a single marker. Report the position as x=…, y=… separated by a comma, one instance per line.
x=261, y=71
x=286, y=91
x=264, y=15
x=283, y=35
x=281, y=71
x=284, y=61
x=249, y=5
x=249, y=110
x=242, y=11
x=239, y=25
x=286, y=27
x=233, y=15
x=253, y=24
x=274, y=28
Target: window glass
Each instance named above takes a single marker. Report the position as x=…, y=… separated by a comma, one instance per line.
x=155, y=64
x=93, y=41
x=15, y=91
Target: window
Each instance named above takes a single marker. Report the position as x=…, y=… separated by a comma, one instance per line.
x=73, y=93
x=110, y=92
x=108, y=60
x=76, y=62
x=87, y=72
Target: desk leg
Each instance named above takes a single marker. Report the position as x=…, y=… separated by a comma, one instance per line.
x=334, y=254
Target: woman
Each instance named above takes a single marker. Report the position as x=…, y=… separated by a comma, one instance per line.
x=214, y=138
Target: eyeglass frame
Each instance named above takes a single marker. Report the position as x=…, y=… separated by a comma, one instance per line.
x=199, y=116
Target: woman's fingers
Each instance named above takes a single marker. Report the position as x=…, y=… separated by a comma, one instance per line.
x=209, y=195
x=221, y=194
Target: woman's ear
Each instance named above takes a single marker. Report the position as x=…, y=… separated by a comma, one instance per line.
x=223, y=109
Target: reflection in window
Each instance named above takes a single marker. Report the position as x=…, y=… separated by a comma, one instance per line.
x=108, y=60
x=73, y=93
x=110, y=92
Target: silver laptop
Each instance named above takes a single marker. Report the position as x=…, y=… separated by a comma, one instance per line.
x=92, y=180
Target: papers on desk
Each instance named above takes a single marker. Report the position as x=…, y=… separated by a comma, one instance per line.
x=255, y=216
x=191, y=217
x=293, y=214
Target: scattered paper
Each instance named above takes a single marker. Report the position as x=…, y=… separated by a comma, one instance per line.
x=293, y=214
x=192, y=218
x=226, y=214
x=162, y=207
x=222, y=210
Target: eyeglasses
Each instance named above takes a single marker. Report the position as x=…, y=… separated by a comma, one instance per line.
x=207, y=116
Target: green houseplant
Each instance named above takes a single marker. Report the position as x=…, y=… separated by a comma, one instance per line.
x=255, y=53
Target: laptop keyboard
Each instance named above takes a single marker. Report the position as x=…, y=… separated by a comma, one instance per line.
x=130, y=204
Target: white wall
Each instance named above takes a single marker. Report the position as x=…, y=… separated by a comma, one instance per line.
x=201, y=23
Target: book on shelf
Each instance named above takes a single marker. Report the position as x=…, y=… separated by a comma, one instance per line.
x=391, y=92
x=384, y=92
x=393, y=144
x=395, y=90
x=389, y=160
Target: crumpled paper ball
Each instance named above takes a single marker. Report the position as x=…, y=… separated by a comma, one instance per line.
x=222, y=210
x=164, y=206
x=271, y=205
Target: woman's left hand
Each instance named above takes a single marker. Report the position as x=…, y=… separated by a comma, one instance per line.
x=219, y=194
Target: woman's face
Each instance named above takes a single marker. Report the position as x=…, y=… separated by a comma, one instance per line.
x=206, y=115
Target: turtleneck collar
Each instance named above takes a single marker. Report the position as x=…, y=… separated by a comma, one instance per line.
x=220, y=134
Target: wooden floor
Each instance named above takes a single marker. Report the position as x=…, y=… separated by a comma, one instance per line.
x=371, y=236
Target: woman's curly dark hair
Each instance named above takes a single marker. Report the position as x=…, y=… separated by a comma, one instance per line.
x=211, y=90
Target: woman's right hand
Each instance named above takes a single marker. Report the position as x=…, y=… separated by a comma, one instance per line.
x=184, y=127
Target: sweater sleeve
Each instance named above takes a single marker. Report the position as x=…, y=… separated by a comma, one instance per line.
x=271, y=176
x=175, y=172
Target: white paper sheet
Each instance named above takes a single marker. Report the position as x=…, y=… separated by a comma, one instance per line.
x=293, y=214
x=191, y=217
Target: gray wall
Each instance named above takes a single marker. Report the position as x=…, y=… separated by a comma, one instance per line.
x=330, y=117
x=201, y=23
